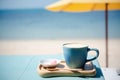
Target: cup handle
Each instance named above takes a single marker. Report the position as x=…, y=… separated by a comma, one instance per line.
x=97, y=53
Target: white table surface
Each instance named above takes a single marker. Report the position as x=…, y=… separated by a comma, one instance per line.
x=110, y=74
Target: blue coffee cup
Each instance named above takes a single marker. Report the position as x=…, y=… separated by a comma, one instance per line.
x=75, y=54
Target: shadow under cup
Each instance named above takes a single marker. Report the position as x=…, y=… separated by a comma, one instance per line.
x=75, y=54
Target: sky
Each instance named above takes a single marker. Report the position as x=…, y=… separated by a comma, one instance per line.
x=24, y=4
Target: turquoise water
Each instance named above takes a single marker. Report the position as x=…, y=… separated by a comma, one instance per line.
x=43, y=24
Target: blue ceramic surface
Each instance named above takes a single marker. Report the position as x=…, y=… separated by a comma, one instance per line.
x=76, y=57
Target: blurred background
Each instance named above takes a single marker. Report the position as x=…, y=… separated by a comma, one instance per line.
x=27, y=28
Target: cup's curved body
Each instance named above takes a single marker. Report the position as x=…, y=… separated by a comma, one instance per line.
x=76, y=57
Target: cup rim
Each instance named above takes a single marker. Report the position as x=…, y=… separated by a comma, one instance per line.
x=84, y=45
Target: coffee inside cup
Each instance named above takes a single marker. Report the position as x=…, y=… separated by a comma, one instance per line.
x=74, y=45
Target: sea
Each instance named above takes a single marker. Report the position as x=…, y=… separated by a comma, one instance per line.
x=32, y=24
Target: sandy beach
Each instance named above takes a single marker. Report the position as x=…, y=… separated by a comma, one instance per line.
x=36, y=47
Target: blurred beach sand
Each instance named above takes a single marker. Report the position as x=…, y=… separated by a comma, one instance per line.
x=37, y=47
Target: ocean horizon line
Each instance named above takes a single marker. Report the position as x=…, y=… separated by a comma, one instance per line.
x=43, y=24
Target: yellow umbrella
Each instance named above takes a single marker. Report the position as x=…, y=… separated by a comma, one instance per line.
x=85, y=6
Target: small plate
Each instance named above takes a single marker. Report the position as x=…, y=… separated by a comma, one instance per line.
x=50, y=62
